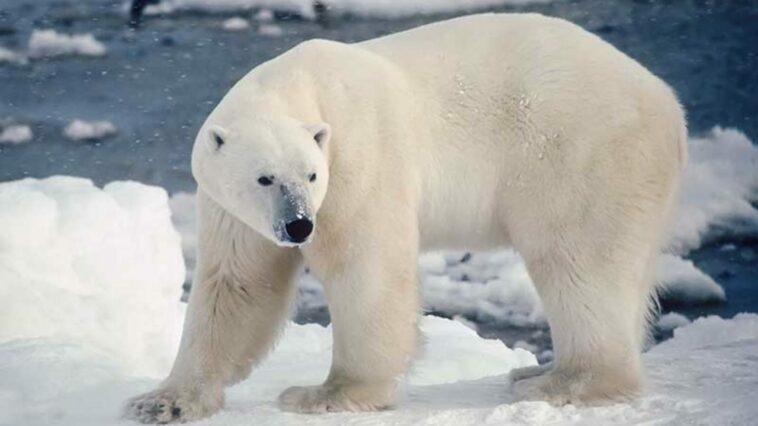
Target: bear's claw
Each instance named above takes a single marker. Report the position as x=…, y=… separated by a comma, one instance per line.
x=170, y=406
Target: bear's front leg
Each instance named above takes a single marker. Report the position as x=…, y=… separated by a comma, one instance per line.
x=241, y=294
x=370, y=279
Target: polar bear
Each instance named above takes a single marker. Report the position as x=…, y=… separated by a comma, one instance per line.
x=478, y=132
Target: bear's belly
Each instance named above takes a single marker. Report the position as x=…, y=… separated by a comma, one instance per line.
x=461, y=213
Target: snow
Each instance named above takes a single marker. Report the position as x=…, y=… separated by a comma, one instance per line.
x=80, y=264
x=16, y=134
x=462, y=380
x=682, y=283
x=82, y=130
x=488, y=287
x=49, y=43
x=379, y=8
x=720, y=182
x=671, y=321
x=235, y=24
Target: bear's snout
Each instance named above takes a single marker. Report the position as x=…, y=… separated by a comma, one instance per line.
x=299, y=230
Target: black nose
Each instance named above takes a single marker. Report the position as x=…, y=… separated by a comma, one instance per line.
x=299, y=230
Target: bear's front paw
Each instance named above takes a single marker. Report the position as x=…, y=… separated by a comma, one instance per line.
x=172, y=406
x=329, y=398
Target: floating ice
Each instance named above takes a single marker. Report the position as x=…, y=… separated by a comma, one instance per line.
x=682, y=283
x=235, y=24
x=270, y=30
x=81, y=130
x=720, y=182
x=16, y=134
x=264, y=15
x=671, y=321
x=9, y=56
x=49, y=43
x=382, y=8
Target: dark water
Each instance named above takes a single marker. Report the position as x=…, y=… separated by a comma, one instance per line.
x=158, y=83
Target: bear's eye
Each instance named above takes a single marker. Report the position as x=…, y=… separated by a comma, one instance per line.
x=265, y=180
x=312, y=177
x=219, y=141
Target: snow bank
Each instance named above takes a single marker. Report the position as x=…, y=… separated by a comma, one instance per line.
x=16, y=134
x=719, y=184
x=90, y=268
x=81, y=130
x=682, y=283
x=706, y=374
x=49, y=43
x=487, y=287
x=379, y=8
x=671, y=321
x=235, y=24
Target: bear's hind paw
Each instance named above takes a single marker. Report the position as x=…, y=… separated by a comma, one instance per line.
x=577, y=389
x=323, y=399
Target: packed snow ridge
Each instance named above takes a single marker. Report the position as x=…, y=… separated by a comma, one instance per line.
x=88, y=266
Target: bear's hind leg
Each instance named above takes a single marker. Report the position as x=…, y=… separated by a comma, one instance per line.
x=371, y=287
x=596, y=305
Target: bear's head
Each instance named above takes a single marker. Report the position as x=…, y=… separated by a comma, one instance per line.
x=269, y=172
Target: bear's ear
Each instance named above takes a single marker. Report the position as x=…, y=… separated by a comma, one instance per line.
x=321, y=133
x=216, y=137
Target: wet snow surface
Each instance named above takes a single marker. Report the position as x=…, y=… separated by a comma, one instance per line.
x=81, y=329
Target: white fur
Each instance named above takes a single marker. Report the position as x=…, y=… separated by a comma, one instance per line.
x=478, y=132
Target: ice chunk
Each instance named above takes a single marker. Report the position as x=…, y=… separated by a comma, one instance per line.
x=270, y=30
x=720, y=182
x=16, y=134
x=682, y=283
x=49, y=43
x=671, y=321
x=81, y=130
x=235, y=24
x=9, y=56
